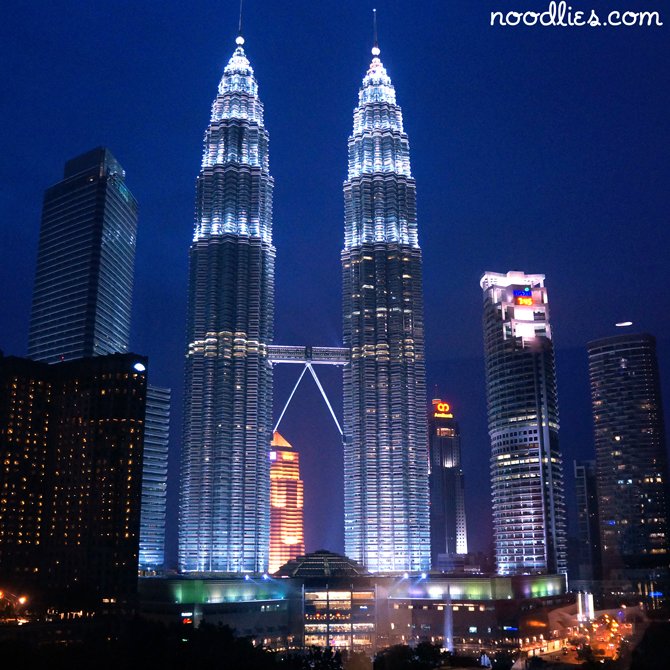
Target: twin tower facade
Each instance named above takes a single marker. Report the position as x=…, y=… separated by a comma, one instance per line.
x=224, y=523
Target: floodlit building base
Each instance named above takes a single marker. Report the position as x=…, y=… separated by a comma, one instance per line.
x=362, y=611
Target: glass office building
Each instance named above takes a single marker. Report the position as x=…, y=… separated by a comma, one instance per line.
x=224, y=522
x=85, y=262
x=529, y=522
x=387, y=526
x=154, y=479
x=448, y=532
x=588, y=534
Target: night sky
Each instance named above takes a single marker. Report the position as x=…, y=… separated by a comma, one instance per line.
x=536, y=149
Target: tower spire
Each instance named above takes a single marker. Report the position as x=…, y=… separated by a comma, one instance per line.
x=239, y=40
x=375, y=49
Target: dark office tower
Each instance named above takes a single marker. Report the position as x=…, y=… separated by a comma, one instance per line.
x=386, y=513
x=154, y=479
x=631, y=464
x=71, y=435
x=588, y=531
x=448, y=534
x=84, y=281
x=96, y=433
x=529, y=525
x=225, y=482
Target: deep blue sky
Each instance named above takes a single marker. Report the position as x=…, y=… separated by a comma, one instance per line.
x=544, y=150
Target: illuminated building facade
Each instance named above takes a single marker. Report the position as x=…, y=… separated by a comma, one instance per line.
x=287, y=539
x=154, y=479
x=448, y=533
x=529, y=523
x=386, y=508
x=72, y=489
x=84, y=281
x=224, y=522
x=631, y=462
x=325, y=599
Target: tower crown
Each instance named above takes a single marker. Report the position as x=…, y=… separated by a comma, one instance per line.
x=238, y=91
x=238, y=75
x=377, y=86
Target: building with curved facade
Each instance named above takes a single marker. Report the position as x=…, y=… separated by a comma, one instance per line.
x=529, y=520
x=631, y=462
x=386, y=509
x=224, y=521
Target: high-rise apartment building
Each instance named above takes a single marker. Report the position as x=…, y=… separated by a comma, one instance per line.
x=24, y=420
x=448, y=533
x=631, y=462
x=224, y=523
x=287, y=538
x=386, y=509
x=588, y=531
x=154, y=479
x=85, y=262
x=529, y=523
x=70, y=484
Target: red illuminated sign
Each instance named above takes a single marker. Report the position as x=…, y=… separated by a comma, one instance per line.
x=522, y=300
x=442, y=410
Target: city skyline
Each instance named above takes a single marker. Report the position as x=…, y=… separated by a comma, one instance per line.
x=446, y=293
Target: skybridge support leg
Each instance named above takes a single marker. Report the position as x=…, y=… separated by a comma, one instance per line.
x=325, y=397
x=281, y=416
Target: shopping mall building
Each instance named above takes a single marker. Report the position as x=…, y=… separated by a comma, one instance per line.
x=326, y=599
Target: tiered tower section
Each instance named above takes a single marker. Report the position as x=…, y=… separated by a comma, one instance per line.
x=385, y=436
x=225, y=484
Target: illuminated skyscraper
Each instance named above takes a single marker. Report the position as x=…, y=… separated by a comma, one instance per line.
x=84, y=281
x=387, y=526
x=287, y=539
x=154, y=479
x=529, y=525
x=448, y=533
x=224, y=522
x=631, y=462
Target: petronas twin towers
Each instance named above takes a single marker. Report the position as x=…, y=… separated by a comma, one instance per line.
x=224, y=499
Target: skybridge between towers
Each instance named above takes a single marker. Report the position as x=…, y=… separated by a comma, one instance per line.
x=308, y=357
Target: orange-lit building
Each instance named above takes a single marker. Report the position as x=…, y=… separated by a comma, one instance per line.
x=287, y=539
